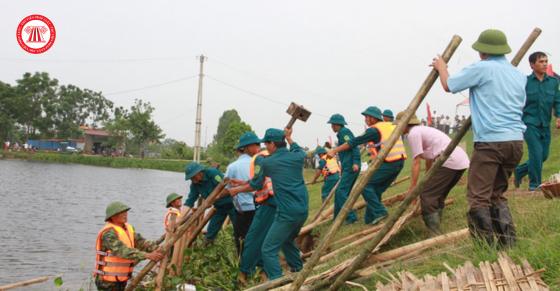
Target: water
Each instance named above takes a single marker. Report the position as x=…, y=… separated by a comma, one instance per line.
x=51, y=214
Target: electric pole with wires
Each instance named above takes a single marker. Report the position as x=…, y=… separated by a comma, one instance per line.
x=196, y=156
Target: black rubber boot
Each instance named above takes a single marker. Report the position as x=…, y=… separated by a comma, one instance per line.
x=432, y=223
x=480, y=225
x=503, y=225
x=440, y=215
x=207, y=242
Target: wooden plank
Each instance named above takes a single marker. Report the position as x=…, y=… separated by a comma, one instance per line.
x=469, y=268
x=521, y=280
x=530, y=279
x=485, y=276
x=499, y=277
x=508, y=274
x=444, y=282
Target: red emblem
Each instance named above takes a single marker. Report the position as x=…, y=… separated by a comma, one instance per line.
x=36, y=34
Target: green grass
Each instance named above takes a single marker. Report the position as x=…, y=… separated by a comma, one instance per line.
x=172, y=165
x=537, y=222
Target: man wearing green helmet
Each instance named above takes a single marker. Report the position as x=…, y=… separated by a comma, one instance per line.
x=350, y=161
x=117, y=246
x=203, y=182
x=388, y=115
x=497, y=96
x=330, y=170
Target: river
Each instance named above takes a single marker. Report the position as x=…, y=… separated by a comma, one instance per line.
x=51, y=214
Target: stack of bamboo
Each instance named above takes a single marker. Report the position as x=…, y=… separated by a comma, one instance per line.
x=502, y=275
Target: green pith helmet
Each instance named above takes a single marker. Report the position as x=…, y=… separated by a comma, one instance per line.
x=247, y=139
x=192, y=169
x=172, y=197
x=492, y=42
x=115, y=208
x=412, y=121
x=373, y=111
x=337, y=119
x=388, y=113
x=321, y=151
x=273, y=134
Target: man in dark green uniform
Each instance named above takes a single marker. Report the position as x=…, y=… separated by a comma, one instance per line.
x=331, y=178
x=351, y=162
x=117, y=213
x=388, y=115
x=387, y=172
x=203, y=182
x=543, y=94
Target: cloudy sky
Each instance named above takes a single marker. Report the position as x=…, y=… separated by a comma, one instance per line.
x=330, y=56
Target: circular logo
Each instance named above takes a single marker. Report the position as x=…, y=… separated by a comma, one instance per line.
x=218, y=178
x=36, y=34
x=257, y=169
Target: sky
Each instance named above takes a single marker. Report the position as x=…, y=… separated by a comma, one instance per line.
x=329, y=56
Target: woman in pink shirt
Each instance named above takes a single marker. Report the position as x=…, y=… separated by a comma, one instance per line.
x=428, y=143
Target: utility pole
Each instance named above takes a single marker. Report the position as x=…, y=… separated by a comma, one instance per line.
x=196, y=156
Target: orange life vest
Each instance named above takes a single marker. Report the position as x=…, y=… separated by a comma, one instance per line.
x=266, y=190
x=331, y=167
x=167, y=216
x=108, y=265
x=385, y=129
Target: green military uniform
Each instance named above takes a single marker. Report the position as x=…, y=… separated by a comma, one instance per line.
x=383, y=177
x=348, y=177
x=110, y=241
x=389, y=114
x=542, y=96
x=330, y=180
x=292, y=200
x=224, y=206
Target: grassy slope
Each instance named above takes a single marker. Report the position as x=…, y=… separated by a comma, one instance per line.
x=536, y=218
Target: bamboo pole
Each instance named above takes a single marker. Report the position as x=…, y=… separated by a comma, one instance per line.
x=199, y=228
x=163, y=264
x=377, y=161
x=416, y=191
x=180, y=232
x=29, y=282
x=226, y=222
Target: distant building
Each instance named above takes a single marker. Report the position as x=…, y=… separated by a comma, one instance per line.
x=94, y=139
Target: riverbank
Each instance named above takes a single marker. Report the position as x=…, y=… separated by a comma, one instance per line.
x=153, y=164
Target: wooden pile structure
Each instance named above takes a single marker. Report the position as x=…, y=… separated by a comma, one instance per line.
x=502, y=275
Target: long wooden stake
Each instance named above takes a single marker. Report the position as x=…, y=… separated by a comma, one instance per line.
x=163, y=264
x=377, y=161
x=199, y=228
x=180, y=232
x=416, y=191
x=29, y=282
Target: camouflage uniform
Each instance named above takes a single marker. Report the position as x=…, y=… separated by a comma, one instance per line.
x=110, y=241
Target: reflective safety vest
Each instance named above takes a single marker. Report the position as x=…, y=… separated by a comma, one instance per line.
x=385, y=129
x=266, y=190
x=107, y=264
x=331, y=167
x=167, y=217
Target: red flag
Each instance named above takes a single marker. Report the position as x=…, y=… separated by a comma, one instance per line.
x=317, y=141
x=549, y=70
x=330, y=140
x=429, y=115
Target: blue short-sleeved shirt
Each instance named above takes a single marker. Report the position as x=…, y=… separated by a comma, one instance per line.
x=349, y=157
x=240, y=170
x=497, y=96
x=542, y=96
x=210, y=179
x=285, y=169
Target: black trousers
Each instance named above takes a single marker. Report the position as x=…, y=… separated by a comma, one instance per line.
x=241, y=226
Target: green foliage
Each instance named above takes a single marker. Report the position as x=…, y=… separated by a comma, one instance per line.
x=226, y=119
x=231, y=139
x=58, y=282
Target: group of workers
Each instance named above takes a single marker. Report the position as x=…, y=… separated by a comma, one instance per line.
x=268, y=202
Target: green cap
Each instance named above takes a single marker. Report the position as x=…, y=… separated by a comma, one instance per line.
x=321, y=151
x=192, y=169
x=388, y=113
x=373, y=111
x=247, y=139
x=337, y=119
x=172, y=197
x=273, y=134
x=413, y=120
x=492, y=42
x=115, y=208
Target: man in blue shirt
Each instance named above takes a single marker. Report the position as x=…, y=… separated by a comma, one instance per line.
x=203, y=182
x=497, y=97
x=243, y=202
x=543, y=95
x=350, y=163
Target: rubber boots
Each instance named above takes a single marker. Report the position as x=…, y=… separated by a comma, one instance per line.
x=207, y=242
x=503, y=225
x=440, y=214
x=480, y=225
x=432, y=222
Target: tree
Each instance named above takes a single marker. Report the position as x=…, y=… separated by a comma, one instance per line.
x=231, y=139
x=7, y=116
x=227, y=118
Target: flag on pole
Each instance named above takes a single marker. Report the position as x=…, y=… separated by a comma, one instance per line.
x=549, y=70
x=330, y=139
x=317, y=141
x=429, y=115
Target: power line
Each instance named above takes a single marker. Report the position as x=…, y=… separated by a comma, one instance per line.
x=288, y=86
x=98, y=61
x=143, y=88
x=179, y=116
